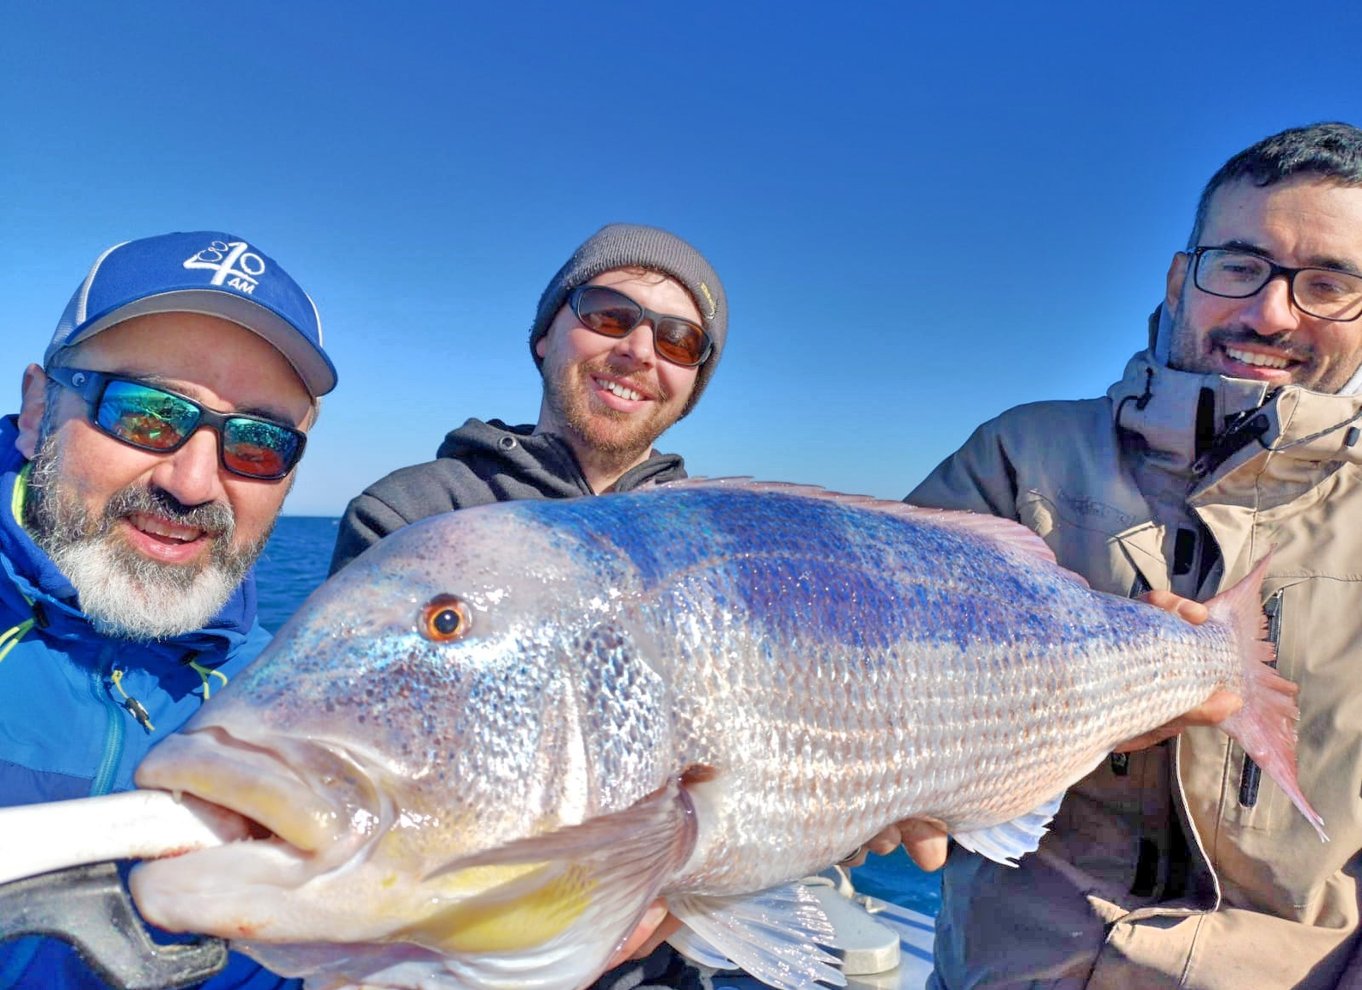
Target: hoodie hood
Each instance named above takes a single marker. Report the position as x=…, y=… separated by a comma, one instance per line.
x=543, y=462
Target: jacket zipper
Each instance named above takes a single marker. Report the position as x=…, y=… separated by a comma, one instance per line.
x=1230, y=443
x=101, y=680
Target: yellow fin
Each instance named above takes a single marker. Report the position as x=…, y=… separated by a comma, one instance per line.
x=525, y=911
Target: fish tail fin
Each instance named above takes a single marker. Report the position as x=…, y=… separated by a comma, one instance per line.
x=1266, y=726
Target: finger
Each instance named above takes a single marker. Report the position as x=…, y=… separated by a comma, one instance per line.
x=926, y=844
x=889, y=838
x=886, y=840
x=643, y=933
x=664, y=931
x=1185, y=608
x=1214, y=710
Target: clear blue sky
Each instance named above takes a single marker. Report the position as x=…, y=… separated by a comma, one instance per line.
x=923, y=214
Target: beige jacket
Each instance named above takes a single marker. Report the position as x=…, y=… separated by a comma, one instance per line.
x=1123, y=894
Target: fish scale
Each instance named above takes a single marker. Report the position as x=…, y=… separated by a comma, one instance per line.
x=699, y=692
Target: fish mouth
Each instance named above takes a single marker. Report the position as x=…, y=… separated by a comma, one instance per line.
x=305, y=803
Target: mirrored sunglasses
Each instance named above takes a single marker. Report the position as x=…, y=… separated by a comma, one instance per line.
x=153, y=418
x=613, y=314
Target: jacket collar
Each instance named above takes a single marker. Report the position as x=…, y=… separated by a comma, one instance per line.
x=1305, y=431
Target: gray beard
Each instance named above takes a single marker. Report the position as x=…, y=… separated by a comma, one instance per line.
x=122, y=593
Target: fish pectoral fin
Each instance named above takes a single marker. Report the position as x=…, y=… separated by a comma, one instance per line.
x=658, y=826
x=579, y=889
x=775, y=935
x=1006, y=842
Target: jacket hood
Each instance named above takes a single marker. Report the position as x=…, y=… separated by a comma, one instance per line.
x=494, y=437
x=543, y=460
x=30, y=572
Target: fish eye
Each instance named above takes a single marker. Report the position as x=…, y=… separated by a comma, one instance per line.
x=443, y=619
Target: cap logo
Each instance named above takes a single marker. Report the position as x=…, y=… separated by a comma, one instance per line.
x=236, y=266
x=709, y=301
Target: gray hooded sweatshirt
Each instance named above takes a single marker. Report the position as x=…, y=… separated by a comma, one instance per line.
x=478, y=464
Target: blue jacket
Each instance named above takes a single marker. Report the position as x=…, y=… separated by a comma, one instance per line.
x=79, y=710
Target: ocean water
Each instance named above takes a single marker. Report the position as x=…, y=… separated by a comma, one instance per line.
x=295, y=561
x=292, y=565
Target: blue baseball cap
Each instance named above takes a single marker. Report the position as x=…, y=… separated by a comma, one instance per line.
x=206, y=272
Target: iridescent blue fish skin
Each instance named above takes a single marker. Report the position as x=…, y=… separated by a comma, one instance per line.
x=751, y=679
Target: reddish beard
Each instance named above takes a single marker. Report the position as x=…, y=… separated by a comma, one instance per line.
x=569, y=394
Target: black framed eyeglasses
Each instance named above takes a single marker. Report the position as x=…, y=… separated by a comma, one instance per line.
x=1231, y=273
x=153, y=418
x=613, y=314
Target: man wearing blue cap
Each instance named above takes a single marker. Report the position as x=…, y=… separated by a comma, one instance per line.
x=128, y=530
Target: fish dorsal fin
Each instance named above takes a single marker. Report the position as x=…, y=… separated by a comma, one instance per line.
x=1008, y=841
x=1005, y=531
x=774, y=935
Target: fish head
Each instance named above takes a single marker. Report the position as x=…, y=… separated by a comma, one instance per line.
x=411, y=748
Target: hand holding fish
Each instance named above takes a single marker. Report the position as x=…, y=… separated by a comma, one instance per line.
x=1218, y=707
x=1214, y=710
x=926, y=842
x=481, y=753
x=1186, y=608
x=654, y=929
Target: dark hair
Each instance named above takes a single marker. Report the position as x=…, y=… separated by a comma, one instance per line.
x=1331, y=151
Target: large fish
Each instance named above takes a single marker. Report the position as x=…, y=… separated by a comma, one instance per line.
x=490, y=742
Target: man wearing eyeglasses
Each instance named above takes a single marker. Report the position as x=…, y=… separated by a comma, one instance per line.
x=1236, y=434
x=138, y=484
x=626, y=337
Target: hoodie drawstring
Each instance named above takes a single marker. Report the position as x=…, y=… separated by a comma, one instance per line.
x=11, y=636
x=206, y=674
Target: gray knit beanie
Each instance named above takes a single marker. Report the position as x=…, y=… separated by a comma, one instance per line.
x=628, y=245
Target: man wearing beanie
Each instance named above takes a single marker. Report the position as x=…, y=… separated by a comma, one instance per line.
x=626, y=337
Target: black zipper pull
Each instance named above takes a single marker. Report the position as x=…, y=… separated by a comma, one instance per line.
x=1229, y=442
x=130, y=704
x=136, y=710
